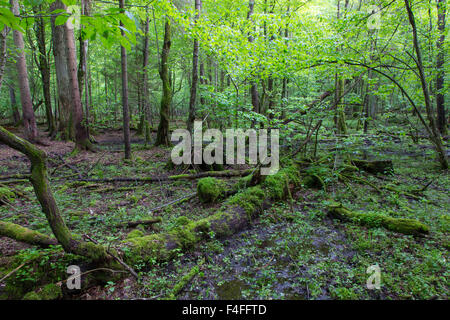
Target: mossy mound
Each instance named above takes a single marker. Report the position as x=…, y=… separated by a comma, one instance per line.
x=48, y=292
x=135, y=234
x=40, y=267
x=400, y=225
x=210, y=189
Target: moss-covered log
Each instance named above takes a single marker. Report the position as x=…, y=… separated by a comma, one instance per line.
x=376, y=166
x=405, y=226
x=211, y=189
x=223, y=174
x=22, y=234
x=235, y=215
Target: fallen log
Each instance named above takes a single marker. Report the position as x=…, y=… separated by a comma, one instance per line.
x=211, y=189
x=223, y=174
x=15, y=176
x=236, y=214
x=25, y=235
x=400, y=225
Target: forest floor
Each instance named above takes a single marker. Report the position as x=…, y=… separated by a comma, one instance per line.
x=293, y=251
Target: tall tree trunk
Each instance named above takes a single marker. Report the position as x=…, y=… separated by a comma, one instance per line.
x=162, y=137
x=254, y=86
x=191, y=117
x=145, y=112
x=65, y=128
x=29, y=120
x=202, y=80
x=440, y=96
x=125, y=107
x=3, y=55
x=339, y=117
x=81, y=134
x=435, y=136
x=15, y=111
x=44, y=69
x=82, y=67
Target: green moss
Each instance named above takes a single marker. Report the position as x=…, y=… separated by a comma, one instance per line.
x=182, y=221
x=210, y=189
x=405, y=226
x=49, y=292
x=278, y=184
x=92, y=251
x=135, y=234
x=6, y=194
x=23, y=234
x=41, y=266
x=250, y=200
x=151, y=246
x=184, y=281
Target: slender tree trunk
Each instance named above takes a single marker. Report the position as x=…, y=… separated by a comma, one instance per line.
x=3, y=55
x=162, y=137
x=44, y=68
x=145, y=112
x=254, y=86
x=435, y=136
x=202, y=80
x=81, y=134
x=440, y=96
x=29, y=120
x=192, y=100
x=82, y=66
x=15, y=111
x=65, y=128
x=339, y=117
x=126, y=110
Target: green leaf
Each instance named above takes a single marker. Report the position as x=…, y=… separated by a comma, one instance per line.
x=60, y=20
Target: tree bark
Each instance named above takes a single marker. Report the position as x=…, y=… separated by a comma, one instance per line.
x=82, y=67
x=15, y=111
x=440, y=96
x=65, y=128
x=44, y=69
x=254, y=86
x=3, y=55
x=82, y=141
x=29, y=120
x=162, y=137
x=435, y=136
x=193, y=97
x=126, y=110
